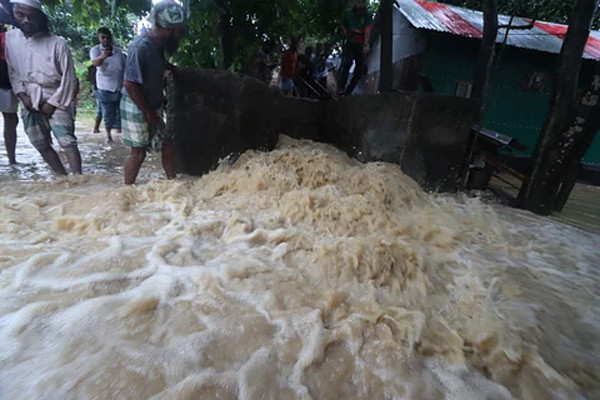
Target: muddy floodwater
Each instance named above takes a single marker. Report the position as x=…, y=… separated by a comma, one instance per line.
x=293, y=274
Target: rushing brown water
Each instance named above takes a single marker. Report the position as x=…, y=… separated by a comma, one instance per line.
x=293, y=274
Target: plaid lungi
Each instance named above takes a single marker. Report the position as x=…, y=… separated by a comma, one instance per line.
x=61, y=123
x=136, y=132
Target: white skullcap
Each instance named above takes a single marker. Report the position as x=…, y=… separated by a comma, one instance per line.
x=31, y=3
x=168, y=14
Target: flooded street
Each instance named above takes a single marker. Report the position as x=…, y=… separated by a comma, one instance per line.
x=293, y=274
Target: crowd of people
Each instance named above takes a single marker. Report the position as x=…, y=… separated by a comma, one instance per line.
x=313, y=72
x=37, y=71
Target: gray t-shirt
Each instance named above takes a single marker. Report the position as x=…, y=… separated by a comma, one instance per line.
x=109, y=75
x=146, y=65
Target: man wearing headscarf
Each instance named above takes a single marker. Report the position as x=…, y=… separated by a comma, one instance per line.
x=42, y=75
x=141, y=106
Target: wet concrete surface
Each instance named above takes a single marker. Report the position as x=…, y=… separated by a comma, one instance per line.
x=98, y=157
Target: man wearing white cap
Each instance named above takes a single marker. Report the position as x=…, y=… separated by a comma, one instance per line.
x=42, y=76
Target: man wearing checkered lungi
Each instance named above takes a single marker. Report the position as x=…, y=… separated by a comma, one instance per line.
x=141, y=106
x=42, y=75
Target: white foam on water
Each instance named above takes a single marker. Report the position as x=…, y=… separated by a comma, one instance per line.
x=293, y=274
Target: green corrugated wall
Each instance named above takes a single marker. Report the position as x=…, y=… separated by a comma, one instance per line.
x=510, y=110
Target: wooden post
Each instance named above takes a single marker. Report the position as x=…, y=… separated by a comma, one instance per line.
x=486, y=50
x=386, y=78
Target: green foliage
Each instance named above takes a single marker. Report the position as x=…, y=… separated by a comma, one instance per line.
x=200, y=46
x=251, y=22
x=85, y=12
x=248, y=24
x=78, y=21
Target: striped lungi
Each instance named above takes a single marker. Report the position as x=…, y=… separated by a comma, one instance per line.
x=61, y=124
x=136, y=132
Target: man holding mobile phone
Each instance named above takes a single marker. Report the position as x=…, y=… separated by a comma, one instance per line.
x=110, y=67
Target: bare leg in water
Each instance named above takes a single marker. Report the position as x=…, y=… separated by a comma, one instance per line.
x=138, y=155
x=10, y=135
x=51, y=157
x=97, y=123
x=133, y=164
x=169, y=159
x=74, y=159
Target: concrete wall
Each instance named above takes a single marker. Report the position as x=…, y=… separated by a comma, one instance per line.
x=216, y=114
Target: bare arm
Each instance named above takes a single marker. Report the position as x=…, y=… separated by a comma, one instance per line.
x=98, y=61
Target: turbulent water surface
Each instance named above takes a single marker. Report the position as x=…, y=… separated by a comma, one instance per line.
x=293, y=274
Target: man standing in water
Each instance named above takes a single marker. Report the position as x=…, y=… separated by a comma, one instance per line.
x=8, y=103
x=110, y=65
x=42, y=76
x=141, y=105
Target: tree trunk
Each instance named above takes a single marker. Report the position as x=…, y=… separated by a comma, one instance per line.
x=486, y=51
x=485, y=60
x=386, y=80
x=567, y=186
x=582, y=144
x=224, y=31
x=532, y=195
x=564, y=155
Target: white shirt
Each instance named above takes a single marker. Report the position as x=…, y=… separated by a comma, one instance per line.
x=42, y=67
x=109, y=75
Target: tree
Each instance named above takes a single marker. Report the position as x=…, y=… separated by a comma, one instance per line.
x=487, y=49
x=221, y=33
x=564, y=156
x=224, y=33
x=540, y=189
x=80, y=32
x=87, y=11
x=580, y=141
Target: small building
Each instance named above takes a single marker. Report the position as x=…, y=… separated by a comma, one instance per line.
x=435, y=47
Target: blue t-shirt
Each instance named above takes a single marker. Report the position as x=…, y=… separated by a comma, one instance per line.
x=146, y=65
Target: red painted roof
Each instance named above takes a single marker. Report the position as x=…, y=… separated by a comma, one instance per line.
x=543, y=36
x=592, y=47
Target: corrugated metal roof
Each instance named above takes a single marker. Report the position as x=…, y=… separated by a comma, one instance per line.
x=543, y=36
